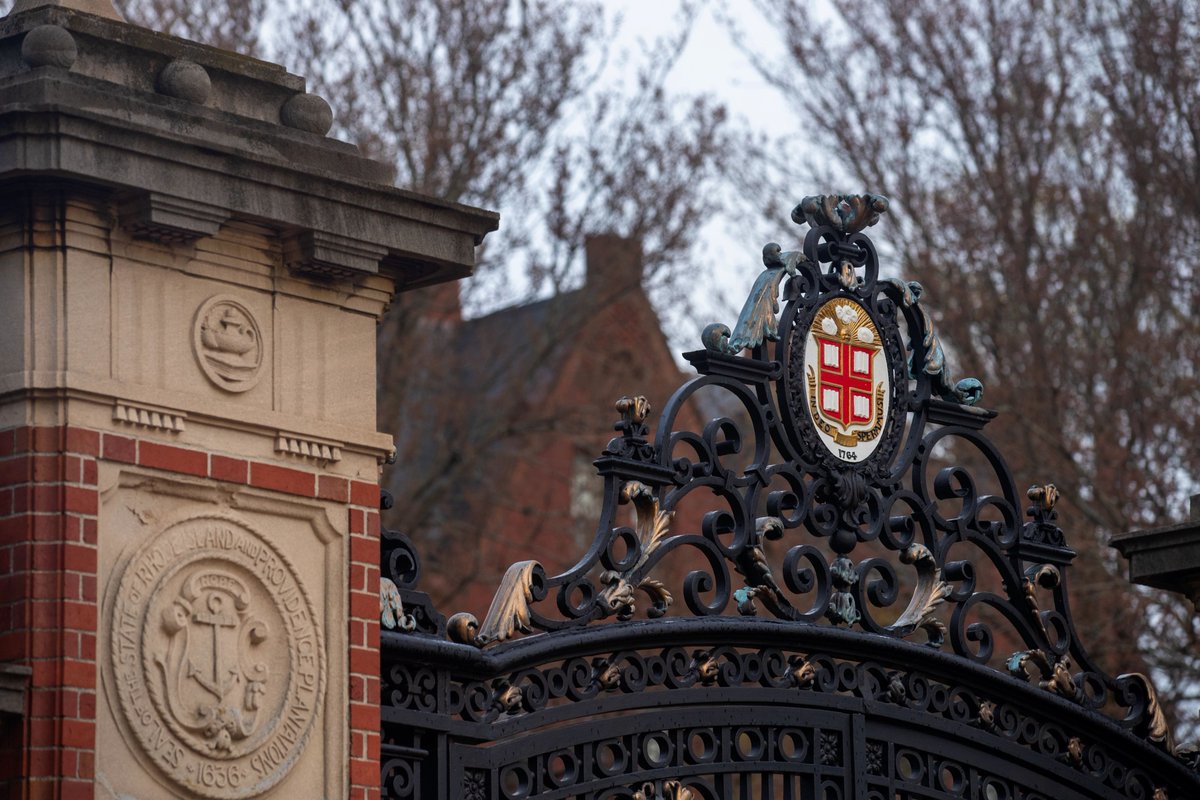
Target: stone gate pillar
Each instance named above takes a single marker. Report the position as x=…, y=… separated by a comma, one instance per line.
x=191, y=273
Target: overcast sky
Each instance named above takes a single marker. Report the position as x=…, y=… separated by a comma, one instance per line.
x=713, y=63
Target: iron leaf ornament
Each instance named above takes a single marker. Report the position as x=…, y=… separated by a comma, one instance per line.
x=757, y=322
x=832, y=501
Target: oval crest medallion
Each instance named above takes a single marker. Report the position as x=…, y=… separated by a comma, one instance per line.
x=218, y=665
x=847, y=381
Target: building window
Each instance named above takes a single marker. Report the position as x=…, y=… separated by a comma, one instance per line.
x=586, y=497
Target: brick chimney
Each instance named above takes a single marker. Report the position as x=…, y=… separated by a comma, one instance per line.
x=440, y=304
x=614, y=263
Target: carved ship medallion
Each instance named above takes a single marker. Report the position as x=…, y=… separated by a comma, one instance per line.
x=228, y=344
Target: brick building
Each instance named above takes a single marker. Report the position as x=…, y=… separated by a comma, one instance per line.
x=545, y=376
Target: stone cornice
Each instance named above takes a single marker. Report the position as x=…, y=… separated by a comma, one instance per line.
x=182, y=157
x=267, y=424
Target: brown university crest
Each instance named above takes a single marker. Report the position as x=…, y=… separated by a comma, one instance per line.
x=847, y=379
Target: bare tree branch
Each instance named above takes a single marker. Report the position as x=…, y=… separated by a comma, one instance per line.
x=1042, y=161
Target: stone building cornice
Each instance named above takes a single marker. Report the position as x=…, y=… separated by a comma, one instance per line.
x=188, y=136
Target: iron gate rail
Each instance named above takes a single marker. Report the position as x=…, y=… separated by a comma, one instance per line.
x=852, y=683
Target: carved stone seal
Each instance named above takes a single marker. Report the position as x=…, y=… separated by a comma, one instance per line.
x=217, y=660
x=228, y=344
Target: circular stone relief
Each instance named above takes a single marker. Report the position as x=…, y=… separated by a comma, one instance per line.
x=218, y=664
x=846, y=379
x=228, y=344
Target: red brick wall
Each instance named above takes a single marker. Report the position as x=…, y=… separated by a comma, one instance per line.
x=49, y=502
x=48, y=507
x=364, y=641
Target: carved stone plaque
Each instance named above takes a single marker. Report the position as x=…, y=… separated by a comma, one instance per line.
x=228, y=344
x=217, y=657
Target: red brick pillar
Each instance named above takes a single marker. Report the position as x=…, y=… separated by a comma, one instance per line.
x=48, y=507
x=48, y=594
x=192, y=273
x=364, y=641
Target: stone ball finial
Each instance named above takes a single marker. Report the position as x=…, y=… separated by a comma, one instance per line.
x=307, y=112
x=185, y=80
x=49, y=46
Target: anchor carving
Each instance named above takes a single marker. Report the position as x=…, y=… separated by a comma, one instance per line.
x=213, y=687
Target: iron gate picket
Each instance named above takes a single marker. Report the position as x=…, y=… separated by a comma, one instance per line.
x=815, y=677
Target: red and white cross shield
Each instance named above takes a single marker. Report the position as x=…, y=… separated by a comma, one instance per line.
x=845, y=390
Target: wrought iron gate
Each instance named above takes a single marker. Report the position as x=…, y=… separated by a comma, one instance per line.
x=817, y=676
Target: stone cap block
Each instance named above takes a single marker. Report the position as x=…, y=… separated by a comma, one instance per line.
x=1167, y=557
x=189, y=136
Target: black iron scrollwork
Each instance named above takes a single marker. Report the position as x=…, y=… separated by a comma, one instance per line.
x=401, y=606
x=846, y=418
